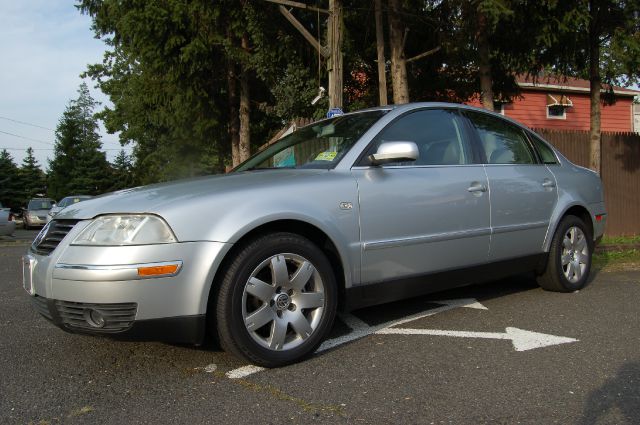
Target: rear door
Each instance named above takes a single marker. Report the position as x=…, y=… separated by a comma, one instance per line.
x=522, y=190
x=427, y=215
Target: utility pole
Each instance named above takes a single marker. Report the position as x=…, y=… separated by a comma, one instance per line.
x=334, y=64
x=333, y=51
x=382, y=77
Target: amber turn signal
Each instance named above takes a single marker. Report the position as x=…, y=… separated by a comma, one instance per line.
x=158, y=270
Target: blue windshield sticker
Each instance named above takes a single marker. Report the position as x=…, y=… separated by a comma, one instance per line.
x=334, y=112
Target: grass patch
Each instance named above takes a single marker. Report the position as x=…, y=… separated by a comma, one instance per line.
x=620, y=240
x=617, y=260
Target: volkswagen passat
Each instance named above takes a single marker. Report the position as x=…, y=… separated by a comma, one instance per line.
x=364, y=208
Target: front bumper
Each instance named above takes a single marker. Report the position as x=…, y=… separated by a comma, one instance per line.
x=119, y=321
x=73, y=280
x=37, y=220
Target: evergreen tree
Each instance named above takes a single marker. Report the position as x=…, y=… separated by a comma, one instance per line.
x=9, y=190
x=31, y=178
x=184, y=78
x=78, y=166
x=122, y=172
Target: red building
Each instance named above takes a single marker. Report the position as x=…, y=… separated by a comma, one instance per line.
x=564, y=104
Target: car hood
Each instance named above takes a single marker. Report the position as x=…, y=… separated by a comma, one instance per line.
x=184, y=195
x=38, y=212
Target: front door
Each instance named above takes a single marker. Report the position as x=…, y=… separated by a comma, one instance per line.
x=427, y=215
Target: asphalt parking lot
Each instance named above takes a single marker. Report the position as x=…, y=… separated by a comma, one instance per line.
x=504, y=352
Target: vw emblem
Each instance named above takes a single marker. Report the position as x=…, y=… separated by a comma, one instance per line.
x=282, y=302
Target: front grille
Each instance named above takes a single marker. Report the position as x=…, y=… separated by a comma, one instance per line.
x=118, y=317
x=54, y=234
x=40, y=303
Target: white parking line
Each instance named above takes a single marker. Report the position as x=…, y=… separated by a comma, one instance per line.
x=243, y=371
x=360, y=329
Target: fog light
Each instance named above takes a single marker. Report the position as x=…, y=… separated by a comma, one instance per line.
x=94, y=318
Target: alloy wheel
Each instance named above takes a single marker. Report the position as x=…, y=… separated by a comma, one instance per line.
x=575, y=254
x=283, y=301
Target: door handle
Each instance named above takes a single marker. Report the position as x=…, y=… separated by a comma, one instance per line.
x=477, y=188
x=548, y=183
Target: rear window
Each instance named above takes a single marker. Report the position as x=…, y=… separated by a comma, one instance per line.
x=40, y=204
x=546, y=153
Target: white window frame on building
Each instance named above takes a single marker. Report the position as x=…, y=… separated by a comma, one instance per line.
x=557, y=104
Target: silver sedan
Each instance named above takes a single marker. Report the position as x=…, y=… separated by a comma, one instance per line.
x=363, y=208
x=7, y=225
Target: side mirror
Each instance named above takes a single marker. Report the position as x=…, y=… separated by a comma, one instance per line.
x=394, y=152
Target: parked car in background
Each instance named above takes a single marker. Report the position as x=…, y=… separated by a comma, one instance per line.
x=7, y=225
x=355, y=210
x=36, y=212
x=65, y=202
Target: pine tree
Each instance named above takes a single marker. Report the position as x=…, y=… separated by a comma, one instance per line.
x=78, y=166
x=122, y=172
x=31, y=178
x=9, y=190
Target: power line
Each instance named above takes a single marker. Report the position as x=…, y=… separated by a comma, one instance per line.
x=51, y=149
x=26, y=138
x=26, y=123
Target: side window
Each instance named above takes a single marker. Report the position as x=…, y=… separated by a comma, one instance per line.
x=503, y=143
x=546, y=153
x=438, y=134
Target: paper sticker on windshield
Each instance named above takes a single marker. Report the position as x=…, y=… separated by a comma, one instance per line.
x=326, y=156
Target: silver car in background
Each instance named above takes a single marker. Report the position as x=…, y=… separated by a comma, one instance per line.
x=65, y=202
x=36, y=212
x=7, y=225
x=364, y=208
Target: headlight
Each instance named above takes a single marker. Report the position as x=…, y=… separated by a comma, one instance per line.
x=33, y=216
x=115, y=230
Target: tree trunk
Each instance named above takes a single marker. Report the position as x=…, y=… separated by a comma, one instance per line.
x=334, y=64
x=595, y=86
x=484, y=63
x=233, y=127
x=398, y=63
x=244, y=145
x=382, y=77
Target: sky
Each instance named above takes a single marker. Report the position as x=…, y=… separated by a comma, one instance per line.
x=45, y=45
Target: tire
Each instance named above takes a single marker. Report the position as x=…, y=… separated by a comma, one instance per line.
x=569, y=260
x=285, y=284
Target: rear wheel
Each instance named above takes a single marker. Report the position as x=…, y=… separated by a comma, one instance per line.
x=569, y=261
x=277, y=300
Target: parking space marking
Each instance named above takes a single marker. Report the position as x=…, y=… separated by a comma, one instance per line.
x=360, y=329
x=521, y=339
x=243, y=371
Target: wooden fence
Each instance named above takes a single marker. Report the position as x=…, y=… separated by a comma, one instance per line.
x=620, y=172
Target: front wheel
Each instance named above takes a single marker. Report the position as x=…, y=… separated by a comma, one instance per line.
x=569, y=261
x=277, y=300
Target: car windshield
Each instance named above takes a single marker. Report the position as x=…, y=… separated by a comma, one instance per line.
x=320, y=145
x=70, y=200
x=39, y=204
